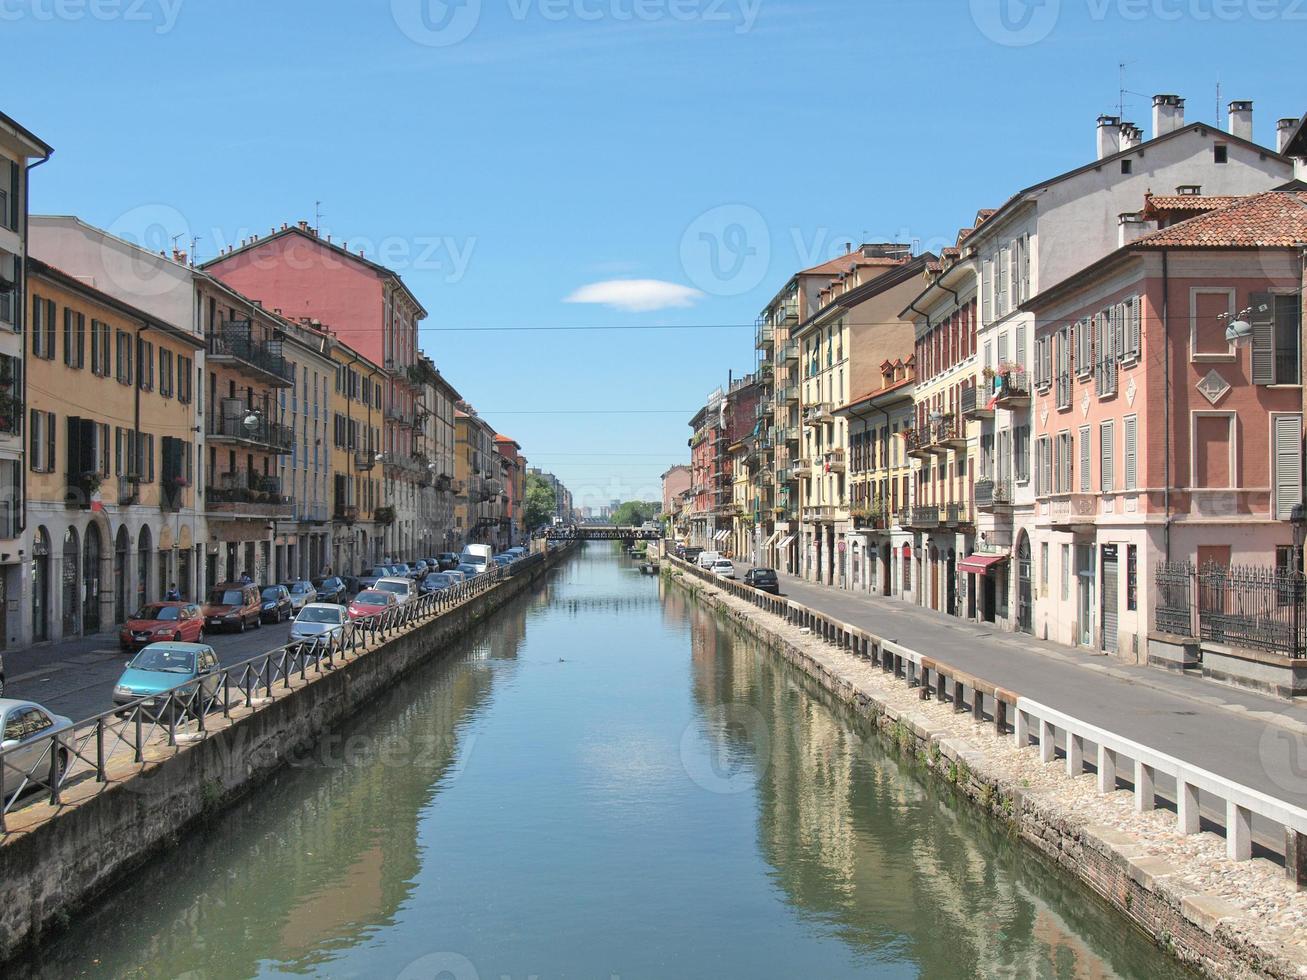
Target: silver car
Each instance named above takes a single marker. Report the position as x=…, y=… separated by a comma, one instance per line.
x=402, y=588
x=30, y=732
x=317, y=621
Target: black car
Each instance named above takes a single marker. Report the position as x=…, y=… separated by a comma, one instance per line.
x=331, y=589
x=276, y=605
x=763, y=579
x=448, y=561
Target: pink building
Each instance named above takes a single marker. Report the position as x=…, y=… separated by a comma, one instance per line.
x=1156, y=438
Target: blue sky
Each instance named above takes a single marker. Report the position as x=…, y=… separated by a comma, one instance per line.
x=507, y=155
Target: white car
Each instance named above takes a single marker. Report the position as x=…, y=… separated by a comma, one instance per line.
x=402, y=588
x=723, y=568
x=317, y=621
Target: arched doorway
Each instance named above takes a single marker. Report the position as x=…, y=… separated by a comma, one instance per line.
x=1025, y=610
x=41, y=585
x=70, y=583
x=144, y=545
x=885, y=570
x=91, y=580
x=951, y=582
x=122, y=546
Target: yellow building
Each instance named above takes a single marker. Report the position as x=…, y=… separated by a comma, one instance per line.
x=111, y=426
x=355, y=445
x=477, y=482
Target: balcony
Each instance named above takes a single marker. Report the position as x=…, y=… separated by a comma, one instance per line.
x=948, y=434
x=233, y=344
x=993, y=494
x=243, y=494
x=364, y=461
x=765, y=336
x=957, y=515
x=404, y=416
x=820, y=514
x=1013, y=389
x=786, y=434
x=803, y=469
x=836, y=462
x=762, y=409
x=973, y=404
x=786, y=474
x=818, y=414
x=348, y=513
x=789, y=311
x=922, y=517
x=917, y=442
x=790, y=352
x=250, y=428
x=787, y=395
x=311, y=513
x=873, y=517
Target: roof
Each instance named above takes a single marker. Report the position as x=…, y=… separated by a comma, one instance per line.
x=896, y=272
x=22, y=131
x=1296, y=145
x=1185, y=202
x=1273, y=219
x=900, y=387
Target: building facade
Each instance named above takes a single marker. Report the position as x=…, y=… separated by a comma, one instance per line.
x=356, y=459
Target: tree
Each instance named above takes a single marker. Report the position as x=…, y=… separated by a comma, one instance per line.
x=633, y=513
x=540, y=503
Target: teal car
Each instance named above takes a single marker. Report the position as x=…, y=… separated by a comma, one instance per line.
x=161, y=667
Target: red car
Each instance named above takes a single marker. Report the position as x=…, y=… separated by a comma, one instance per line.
x=159, y=621
x=369, y=602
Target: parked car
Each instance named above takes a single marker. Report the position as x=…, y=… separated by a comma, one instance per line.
x=763, y=579
x=27, y=731
x=160, y=667
x=706, y=558
x=369, y=602
x=302, y=593
x=437, y=582
x=403, y=589
x=331, y=589
x=723, y=568
x=420, y=569
x=233, y=606
x=469, y=572
x=162, y=621
x=401, y=570
x=277, y=606
x=317, y=621
x=503, y=560
x=2, y=676
x=447, y=560
x=455, y=576
x=369, y=578
x=517, y=552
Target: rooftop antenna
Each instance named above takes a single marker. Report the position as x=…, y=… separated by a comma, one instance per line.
x=317, y=217
x=194, y=241
x=1217, y=117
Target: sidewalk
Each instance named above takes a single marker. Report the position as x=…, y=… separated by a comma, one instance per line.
x=1256, y=740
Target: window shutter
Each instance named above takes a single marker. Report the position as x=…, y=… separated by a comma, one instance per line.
x=1021, y=346
x=1134, y=332
x=1288, y=464
x=1119, y=339
x=1107, y=451
x=49, y=441
x=74, y=448
x=1130, y=435
x=35, y=440
x=986, y=284
x=15, y=186
x=1263, y=324
x=1085, y=446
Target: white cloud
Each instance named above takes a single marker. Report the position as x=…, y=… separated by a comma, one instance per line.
x=636, y=295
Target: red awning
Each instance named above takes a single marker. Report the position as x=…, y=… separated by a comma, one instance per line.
x=980, y=564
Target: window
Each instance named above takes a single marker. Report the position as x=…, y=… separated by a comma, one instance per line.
x=123, y=342
x=1044, y=476
x=1132, y=334
x=43, y=312
x=165, y=372
x=145, y=364
x=74, y=338
x=1064, y=368
x=41, y=442
x=1107, y=327
x=1085, y=446
x=1065, y=467
x=1107, y=457
x=1066, y=572
x=1276, y=323
x=11, y=498
x=1127, y=166
x=10, y=202
x=1220, y=153
x=184, y=380
x=1213, y=450
x=1021, y=452
x=1084, y=345
x=1131, y=577
x=1286, y=433
x=1130, y=426
x=1043, y=566
x=1210, y=313
x=100, y=354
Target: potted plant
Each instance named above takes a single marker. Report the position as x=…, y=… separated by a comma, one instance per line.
x=384, y=515
x=180, y=482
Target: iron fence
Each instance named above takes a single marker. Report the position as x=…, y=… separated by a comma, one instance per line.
x=1173, y=607
x=1257, y=607
x=85, y=750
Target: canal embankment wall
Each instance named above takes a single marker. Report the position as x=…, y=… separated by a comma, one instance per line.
x=54, y=860
x=1223, y=914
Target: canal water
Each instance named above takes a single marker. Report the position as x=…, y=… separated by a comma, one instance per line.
x=606, y=781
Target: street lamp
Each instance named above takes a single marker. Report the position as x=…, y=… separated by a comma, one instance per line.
x=1239, y=331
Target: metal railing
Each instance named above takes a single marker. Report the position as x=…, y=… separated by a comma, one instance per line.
x=234, y=339
x=1173, y=610
x=1259, y=608
x=183, y=714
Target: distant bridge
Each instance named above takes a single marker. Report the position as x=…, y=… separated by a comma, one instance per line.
x=600, y=532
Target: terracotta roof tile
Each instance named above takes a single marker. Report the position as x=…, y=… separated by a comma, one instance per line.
x=1274, y=219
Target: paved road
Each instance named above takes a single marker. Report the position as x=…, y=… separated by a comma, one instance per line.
x=1259, y=741
x=76, y=677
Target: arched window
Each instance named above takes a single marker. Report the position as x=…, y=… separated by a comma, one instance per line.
x=121, y=549
x=70, y=583
x=41, y=585
x=144, y=545
x=91, y=581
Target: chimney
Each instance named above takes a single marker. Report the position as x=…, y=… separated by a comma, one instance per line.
x=304, y=226
x=1130, y=227
x=1168, y=114
x=1109, y=135
x=179, y=256
x=1283, y=130
x=1131, y=136
x=1189, y=190
x=1241, y=120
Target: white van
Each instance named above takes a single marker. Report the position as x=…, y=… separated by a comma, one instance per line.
x=706, y=558
x=479, y=555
